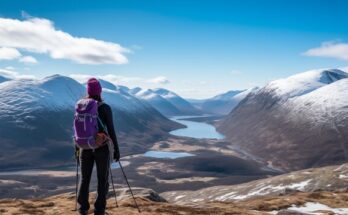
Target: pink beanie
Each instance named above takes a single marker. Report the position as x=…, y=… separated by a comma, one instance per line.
x=93, y=87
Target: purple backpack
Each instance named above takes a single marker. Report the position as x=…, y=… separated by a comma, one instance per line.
x=86, y=123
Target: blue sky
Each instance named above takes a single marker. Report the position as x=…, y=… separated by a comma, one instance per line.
x=196, y=48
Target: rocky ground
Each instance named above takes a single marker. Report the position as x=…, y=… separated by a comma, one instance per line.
x=330, y=178
x=150, y=203
x=312, y=191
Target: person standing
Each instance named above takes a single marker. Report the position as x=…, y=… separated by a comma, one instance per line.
x=99, y=155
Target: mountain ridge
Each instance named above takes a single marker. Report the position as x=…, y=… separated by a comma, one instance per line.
x=36, y=120
x=276, y=124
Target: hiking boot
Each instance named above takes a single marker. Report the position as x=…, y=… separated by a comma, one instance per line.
x=82, y=213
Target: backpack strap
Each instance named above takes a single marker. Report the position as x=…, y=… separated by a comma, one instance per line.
x=103, y=126
x=100, y=121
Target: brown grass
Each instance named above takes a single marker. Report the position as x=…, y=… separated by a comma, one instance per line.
x=65, y=204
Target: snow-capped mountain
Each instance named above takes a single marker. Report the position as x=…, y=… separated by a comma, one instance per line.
x=36, y=119
x=110, y=86
x=107, y=85
x=224, y=103
x=134, y=90
x=303, y=83
x=294, y=123
x=165, y=101
x=184, y=106
x=157, y=101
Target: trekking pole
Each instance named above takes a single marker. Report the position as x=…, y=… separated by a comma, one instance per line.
x=113, y=187
x=77, y=181
x=125, y=177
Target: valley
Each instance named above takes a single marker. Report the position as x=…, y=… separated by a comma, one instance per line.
x=211, y=162
x=189, y=154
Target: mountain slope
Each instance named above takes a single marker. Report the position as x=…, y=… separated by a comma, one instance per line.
x=224, y=103
x=165, y=101
x=330, y=178
x=36, y=120
x=107, y=85
x=134, y=91
x=184, y=106
x=297, y=122
x=157, y=101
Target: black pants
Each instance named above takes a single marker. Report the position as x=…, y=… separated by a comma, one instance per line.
x=87, y=158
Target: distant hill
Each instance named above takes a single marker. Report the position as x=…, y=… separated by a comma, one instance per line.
x=165, y=101
x=223, y=104
x=294, y=123
x=36, y=120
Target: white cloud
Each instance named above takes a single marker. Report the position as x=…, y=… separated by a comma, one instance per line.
x=14, y=75
x=8, y=73
x=39, y=35
x=115, y=79
x=121, y=80
x=330, y=49
x=159, y=80
x=28, y=59
x=9, y=53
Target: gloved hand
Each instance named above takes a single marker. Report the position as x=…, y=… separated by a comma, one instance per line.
x=116, y=155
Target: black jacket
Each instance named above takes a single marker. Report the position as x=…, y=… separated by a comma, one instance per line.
x=105, y=115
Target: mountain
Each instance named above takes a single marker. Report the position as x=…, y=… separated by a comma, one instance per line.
x=165, y=101
x=294, y=123
x=134, y=90
x=108, y=85
x=184, y=106
x=36, y=120
x=224, y=103
x=160, y=103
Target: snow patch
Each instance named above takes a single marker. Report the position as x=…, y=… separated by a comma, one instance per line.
x=179, y=197
x=312, y=207
x=344, y=177
x=9, y=182
x=226, y=196
x=261, y=191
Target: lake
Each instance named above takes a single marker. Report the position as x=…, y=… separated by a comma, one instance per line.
x=195, y=129
x=171, y=155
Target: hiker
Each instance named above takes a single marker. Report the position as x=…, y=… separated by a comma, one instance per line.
x=99, y=149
